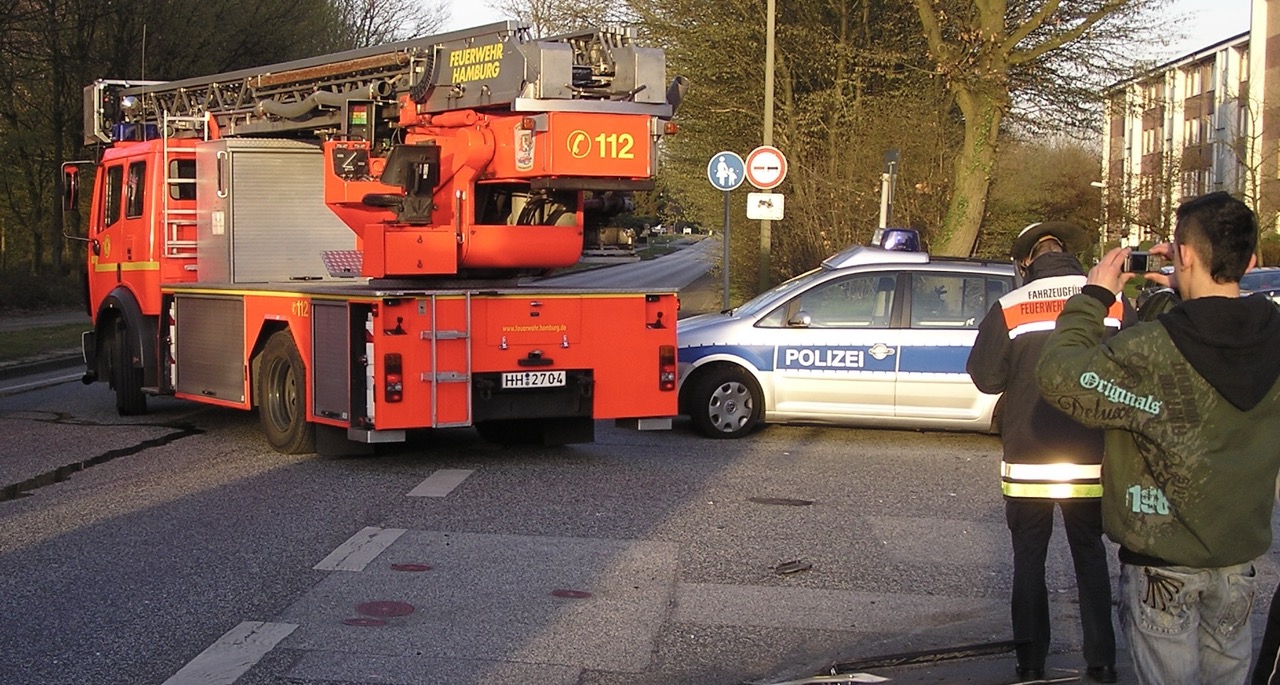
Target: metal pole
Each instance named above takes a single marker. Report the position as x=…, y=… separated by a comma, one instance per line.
x=725, y=265
x=766, y=233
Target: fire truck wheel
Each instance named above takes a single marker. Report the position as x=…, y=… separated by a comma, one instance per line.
x=125, y=380
x=282, y=397
x=725, y=402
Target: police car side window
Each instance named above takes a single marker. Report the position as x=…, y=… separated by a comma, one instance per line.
x=855, y=302
x=948, y=300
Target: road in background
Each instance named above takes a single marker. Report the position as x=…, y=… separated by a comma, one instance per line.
x=671, y=271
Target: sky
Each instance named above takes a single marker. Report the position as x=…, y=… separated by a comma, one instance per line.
x=1204, y=22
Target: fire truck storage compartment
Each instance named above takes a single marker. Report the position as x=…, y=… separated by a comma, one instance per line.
x=261, y=216
x=210, y=352
x=331, y=372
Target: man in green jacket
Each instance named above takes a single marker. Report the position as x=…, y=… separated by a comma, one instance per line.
x=1191, y=457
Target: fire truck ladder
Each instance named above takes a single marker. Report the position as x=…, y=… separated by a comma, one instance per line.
x=505, y=68
x=454, y=339
x=180, y=183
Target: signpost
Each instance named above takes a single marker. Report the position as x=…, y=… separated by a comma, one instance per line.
x=766, y=167
x=726, y=171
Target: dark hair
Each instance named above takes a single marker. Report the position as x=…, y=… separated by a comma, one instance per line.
x=1222, y=230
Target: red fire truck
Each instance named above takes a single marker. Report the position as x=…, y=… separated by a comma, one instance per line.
x=339, y=241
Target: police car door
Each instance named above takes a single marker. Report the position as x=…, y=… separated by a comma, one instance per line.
x=836, y=349
x=943, y=313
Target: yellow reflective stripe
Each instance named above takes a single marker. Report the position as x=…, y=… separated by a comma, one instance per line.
x=1059, y=472
x=1052, y=490
x=127, y=266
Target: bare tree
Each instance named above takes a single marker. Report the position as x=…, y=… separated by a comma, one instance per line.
x=551, y=17
x=370, y=22
x=994, y=54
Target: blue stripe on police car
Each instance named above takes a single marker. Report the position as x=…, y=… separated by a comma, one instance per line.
x=926, y=359
x=759, y=356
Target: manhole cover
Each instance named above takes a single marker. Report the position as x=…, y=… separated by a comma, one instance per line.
x=385, y=609
x=571, y=594
x=365, y=622
x=781, y=501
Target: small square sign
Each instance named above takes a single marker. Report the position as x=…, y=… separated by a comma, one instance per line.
x=764, y=206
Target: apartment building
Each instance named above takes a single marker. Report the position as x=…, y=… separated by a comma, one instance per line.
x=1203, y=122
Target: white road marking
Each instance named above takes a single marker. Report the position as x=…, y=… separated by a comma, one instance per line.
x=360, y=549
x=233, y=654
x=440, y=483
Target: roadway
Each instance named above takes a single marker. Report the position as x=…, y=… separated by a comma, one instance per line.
x=177, y=548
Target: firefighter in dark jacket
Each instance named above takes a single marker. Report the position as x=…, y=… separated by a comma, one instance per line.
x=1049, y=459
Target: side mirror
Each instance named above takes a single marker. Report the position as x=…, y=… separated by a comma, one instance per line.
x=70, y=185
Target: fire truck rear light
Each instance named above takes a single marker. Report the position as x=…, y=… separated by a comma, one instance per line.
x=528, y=124
x=667, y=367
x=393, y=372
x=670, y=128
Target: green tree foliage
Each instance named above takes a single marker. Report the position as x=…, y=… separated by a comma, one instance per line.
x=1040, y=181
x=51, y=49
x=851, y=83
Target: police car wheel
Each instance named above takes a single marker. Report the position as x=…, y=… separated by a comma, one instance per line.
x=726, y=403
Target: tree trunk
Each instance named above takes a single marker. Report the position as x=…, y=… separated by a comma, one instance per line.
x=983, y=113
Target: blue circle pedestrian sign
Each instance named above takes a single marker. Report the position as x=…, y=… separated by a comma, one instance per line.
x=726, y=170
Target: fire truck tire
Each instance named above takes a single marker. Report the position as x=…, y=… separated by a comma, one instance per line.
x=125, y=379
x=725, y=402
x=282, y=397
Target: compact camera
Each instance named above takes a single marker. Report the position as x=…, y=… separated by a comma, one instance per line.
x=1142, y=262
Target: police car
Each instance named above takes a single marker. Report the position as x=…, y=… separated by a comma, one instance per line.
x=872, y=337
x=1262, y=279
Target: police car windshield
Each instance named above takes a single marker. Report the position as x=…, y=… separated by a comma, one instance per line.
x=768, y=298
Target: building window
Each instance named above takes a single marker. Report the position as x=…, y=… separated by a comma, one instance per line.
x=1192, y=79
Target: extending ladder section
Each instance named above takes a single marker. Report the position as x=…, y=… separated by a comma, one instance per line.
x=498, y=66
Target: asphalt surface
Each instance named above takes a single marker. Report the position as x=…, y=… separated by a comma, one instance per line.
x=702, y=295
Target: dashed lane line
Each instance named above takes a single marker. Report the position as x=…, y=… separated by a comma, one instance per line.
x=360, y=549
x=440, y=483
x=233, y=654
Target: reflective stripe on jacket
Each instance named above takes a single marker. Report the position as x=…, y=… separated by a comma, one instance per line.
x=1062, y=480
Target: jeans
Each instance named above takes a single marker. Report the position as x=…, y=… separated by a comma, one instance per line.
x=1031, y=526
x=1188, y=626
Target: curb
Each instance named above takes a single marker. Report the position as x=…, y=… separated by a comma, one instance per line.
x=53, y=362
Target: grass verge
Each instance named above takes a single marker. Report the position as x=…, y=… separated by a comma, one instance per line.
x=16, y=345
